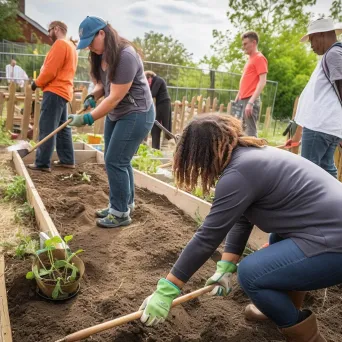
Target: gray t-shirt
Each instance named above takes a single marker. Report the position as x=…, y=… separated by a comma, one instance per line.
x=130, y=68
x=279, y=192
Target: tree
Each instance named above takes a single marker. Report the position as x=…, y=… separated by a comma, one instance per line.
x=164, y=49
x=336, y=10
x=9, y=28
x=280, y=25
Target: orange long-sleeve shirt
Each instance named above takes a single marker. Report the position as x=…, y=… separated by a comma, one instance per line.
x=58, y=71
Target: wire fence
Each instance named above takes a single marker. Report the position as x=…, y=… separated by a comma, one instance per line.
x=181, y=80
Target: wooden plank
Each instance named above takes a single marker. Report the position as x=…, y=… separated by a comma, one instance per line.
x=5, y=325
x=10, y=107
x=200, y=105
x=182, y=116
x=2, y=103
x=36, y=117
x=207, y=105
x=43, y=218
x=78, y=146
x=80, y=157
x=221, y=109
x=295, y=107
x=175, y=117
x=192, y=108
x=229, y=108
x=267, y=120
x=27, y=112
x=214, y=109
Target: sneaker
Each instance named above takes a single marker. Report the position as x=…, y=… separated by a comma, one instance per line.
x=102, y=213
x=36, y=168
x=67, y=166
x=111, y=221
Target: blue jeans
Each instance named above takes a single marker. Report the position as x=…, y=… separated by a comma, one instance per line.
x=268, y=274
x=319, y=148
x=53, y=114
x=122, y=139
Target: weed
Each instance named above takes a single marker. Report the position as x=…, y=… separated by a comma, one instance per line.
x=86, y=177
x=80, y=137
x=24, y=213
x=16, y=190
x=145, y=161
x=23, y=246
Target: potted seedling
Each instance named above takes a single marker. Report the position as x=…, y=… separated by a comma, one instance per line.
x=57, y=271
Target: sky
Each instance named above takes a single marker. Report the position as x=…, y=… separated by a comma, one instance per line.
x=191, y=21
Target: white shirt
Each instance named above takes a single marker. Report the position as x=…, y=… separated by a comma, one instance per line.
x=319, y=108
x=16, y=74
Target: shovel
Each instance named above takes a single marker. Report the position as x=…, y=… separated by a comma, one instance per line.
x=158, y=124
x=77, y=336
x=24, y=148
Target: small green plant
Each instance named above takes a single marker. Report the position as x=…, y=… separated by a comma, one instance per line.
x=199, y=220
x=144, y=161
x=24, y=245
x=54, y=271
x=16, y=190
x=198, y=192
x=79, y=137
x=86, y=177
x=5, y=139
x=24, y=213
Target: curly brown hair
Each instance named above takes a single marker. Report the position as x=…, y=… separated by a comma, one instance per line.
x=205, y=149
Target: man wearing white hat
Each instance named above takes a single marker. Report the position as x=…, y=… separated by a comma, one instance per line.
x=319, y=112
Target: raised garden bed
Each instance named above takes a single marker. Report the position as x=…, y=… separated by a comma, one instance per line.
x=122, y=267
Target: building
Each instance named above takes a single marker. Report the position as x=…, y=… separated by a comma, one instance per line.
x=32, y=31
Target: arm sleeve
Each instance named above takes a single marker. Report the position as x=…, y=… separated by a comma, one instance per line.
x=261, y=65
x=156, y=86
x=52, y=64
x=126, y=69
x=233, y=196
x=334, y=63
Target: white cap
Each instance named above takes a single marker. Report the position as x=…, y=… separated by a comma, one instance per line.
x=322, y=25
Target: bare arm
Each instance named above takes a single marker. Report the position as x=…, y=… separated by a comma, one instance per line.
x=117, y=93
x=98, y=91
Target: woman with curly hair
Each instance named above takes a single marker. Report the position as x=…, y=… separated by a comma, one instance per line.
x=283, y=194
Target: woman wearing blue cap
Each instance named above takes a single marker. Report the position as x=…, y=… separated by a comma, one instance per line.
x=118, y=71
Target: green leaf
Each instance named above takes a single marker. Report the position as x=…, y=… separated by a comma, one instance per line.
x=74, y=273
x=57, y=290
x=56, y=240
x=29, y=275
x=68, y=238
x=43, y=272
x=60, y=263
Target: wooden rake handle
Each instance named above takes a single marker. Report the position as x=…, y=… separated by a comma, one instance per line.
x=77, y=336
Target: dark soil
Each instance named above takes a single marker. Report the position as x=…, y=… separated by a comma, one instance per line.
x=123, y=267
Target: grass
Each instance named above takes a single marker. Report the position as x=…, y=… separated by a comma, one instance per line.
x=273, y=136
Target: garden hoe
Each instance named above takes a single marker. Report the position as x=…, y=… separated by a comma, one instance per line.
x=24, y=148
x=175, y=137
x=79, y=335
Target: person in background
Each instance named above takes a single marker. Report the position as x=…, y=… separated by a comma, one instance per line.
x=15, y=73
x=295, y=200
x=319, y=112
x=117, y=69
x=56, y=79
x=163, y=106
x=252, y=82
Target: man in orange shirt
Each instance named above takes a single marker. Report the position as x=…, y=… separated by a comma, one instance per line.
x=252, y=82
x=56, y=80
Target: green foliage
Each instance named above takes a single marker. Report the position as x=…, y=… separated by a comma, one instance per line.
x=85, y=177
x=24, y=214
x=5, y=139
x=198, y=192
x=23, y=246
x=9, y=28
x=144, y=161
x=16, y=190
x=336, y=10
x=58, y=271
x=280, y=26
x=79, y=137
x=160, y=48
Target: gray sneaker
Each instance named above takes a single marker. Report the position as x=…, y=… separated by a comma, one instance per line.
x=37, y=168
x=67, y=166
x=102, y=213
x=111, y=221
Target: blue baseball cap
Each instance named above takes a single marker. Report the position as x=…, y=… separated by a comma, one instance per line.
x=88, y=29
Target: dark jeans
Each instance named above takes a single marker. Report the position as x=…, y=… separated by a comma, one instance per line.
x=319, y=148
x=164, y=117
x=122, y=139
x=268, y=274
x=53, y=114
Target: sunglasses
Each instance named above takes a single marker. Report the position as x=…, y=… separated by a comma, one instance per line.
x=51, y=28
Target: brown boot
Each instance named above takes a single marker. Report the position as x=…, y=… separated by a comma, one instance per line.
x=305, y=331
x=252, y=313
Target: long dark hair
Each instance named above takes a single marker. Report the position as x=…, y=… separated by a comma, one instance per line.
x=205, y=149
x=114, y=43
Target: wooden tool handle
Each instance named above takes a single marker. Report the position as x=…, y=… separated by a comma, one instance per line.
x=51, y=134
x=165, y=130
x=77, y=336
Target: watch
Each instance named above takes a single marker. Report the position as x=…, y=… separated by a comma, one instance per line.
x=251, y=103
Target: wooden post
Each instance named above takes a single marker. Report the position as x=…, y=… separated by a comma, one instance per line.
x=10, y=106
x=229, y=108
x=267, y=120
x=99, y=126
x=214, y=109
x=181, y=125
x=200, y=105
x=36, y=116
x=295, y=150
x=2, y=103
x=84, y=95
x=192, y=108
x=221, y=108
x=339, y=164
x=207, y=105
x=175, y=117
x=27, y=112
x=73, y=104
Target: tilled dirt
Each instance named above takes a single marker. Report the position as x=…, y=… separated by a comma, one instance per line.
x=123, y=267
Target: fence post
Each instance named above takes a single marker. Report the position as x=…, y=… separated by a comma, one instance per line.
x=221, y=109
x=229, y=108
x=207, y=105
x=200, y=105
x=267, y=120
x=25, y=120
x=295, y=150
x=2, y=102
x=175, y=117
x=10, y=106
x=182, y=115
x=214, y=109
x=36, y=116
x=192, y=108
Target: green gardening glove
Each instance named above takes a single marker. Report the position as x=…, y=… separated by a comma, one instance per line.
x=80, y=120
x=89, y=101
x=223, y=278
x=157, y=306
